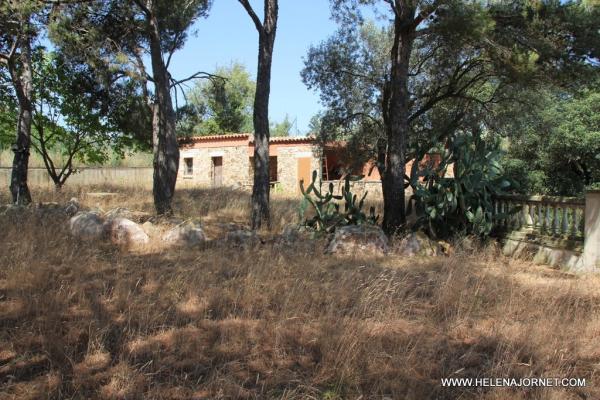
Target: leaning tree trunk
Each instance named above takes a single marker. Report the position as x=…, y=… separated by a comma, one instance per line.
x=397, y=129
x=23, y=82
x=261, y=187
x=166, y=148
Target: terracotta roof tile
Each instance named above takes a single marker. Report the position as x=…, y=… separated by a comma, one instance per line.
x=249, y=137
x=290, y=139
x=228, y=136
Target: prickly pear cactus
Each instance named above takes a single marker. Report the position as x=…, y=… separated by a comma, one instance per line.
x=327, y=210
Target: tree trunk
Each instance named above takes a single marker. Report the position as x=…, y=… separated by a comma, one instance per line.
x=397, y=129
x=166, y=148
x=23, y=81
x=266, y=41
x=261, y=187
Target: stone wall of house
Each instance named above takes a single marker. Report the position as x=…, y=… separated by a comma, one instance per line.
x=235, y=166
x=287, y=165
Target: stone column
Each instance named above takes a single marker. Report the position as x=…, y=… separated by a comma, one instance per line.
x=591, y=251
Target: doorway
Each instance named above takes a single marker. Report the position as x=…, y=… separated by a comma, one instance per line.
x=217, y=171
x=304, y=172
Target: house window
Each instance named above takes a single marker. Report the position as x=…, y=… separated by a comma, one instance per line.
x=188, y=164
x=272, y=169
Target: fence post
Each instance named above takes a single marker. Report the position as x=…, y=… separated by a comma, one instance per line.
x=591, y=249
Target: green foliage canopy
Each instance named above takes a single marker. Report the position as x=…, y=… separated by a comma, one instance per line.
x=219, y=105
x=77, y=117
x=467, y=59
x=555, y=148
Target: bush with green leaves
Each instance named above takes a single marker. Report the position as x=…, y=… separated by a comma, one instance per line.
x=328, y=215
x=462, y=204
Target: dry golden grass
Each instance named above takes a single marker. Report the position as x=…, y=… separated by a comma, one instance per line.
x=89, y=321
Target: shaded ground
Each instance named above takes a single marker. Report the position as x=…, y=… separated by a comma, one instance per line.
x=88, y=321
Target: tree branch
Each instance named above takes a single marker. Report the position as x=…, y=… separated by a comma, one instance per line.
x=392, y=6
x=145, y=9
x=197, y=75
x=259, y=26
x=178, y=35
x=7, y=57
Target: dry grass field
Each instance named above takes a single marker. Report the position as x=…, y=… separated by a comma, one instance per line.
x=92, y=321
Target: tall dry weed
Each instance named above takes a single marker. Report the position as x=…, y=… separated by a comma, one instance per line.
x=89, y=321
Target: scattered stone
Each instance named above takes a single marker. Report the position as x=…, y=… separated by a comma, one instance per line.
x=141, y=216
x=294, y=233
x=72, y=207
x=150, y=229
x=468, y=244
x=122, y=212
x=50, y=209
x=358, y=240
x=87, y=226
x=418, y=244
x=446, y=248
x=123, y=231
x=243, y=238
x=186, y=234
x=162, y=220
x=290, y=233
x=102, y=195
x=15, y=210
x=119, y=212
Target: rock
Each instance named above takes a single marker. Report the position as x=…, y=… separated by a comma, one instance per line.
x=58, y=210
x=72, y=207
x=119, y=212
x=467, y=244
x=446, y=248
x=242, y=238
x=150, y=229
x=15, y=210
x=418, y=244
x=290, y=233
x=163, y=220
x=87, y=226
x=293, y=234
x=188, y=234
x=50, y=209
x=123, y=231
x=102, y=195
x=359, y=239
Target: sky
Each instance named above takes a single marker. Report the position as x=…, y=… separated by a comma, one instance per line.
x=228, y=35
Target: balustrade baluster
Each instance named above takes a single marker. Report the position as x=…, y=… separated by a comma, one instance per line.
x=564, y=226
x=527, y=214
x=554, y=216
x=573, y=222
x=496, y=212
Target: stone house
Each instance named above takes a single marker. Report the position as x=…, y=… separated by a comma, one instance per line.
x=227, y=160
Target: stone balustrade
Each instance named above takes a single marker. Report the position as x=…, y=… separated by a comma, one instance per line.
x=563, y=230
x=562, y=217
